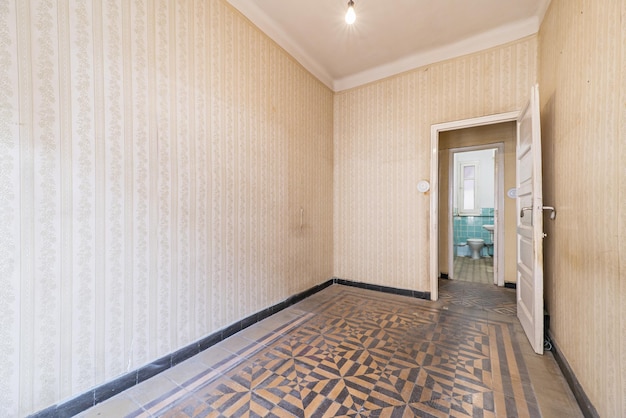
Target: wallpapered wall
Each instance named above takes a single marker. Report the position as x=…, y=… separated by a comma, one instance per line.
x=382, y=149
x=155, y=157
x=582, y=50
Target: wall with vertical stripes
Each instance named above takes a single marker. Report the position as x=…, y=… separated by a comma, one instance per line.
x=165, y=170
x=582, y=53
x=382, y=150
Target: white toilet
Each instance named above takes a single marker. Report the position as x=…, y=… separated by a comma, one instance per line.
x=476, y=245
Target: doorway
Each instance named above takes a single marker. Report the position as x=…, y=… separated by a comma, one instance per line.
x=474, y=191
x=437, y=251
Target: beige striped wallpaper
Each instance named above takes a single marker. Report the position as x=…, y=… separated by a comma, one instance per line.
x=156, y=158
x=582, y=77
x=382, y=150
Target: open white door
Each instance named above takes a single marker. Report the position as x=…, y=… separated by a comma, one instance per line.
x=530, y=223
x=498, y=189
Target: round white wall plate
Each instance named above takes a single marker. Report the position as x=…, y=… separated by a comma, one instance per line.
x=423, y=186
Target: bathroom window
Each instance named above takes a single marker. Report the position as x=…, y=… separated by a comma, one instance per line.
x=468, y=185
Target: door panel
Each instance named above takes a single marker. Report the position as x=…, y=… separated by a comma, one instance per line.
x=526, y=170
x=526, y=252
x=530, y=223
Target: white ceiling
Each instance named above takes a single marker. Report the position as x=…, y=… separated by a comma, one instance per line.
x=389, y=36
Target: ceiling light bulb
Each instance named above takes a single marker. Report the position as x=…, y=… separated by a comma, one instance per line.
x=350, y=14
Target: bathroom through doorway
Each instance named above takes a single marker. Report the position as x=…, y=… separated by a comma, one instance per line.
x=502, y=137
x=473, y=195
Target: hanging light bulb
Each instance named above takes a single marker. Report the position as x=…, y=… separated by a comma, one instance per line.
x=350, y=14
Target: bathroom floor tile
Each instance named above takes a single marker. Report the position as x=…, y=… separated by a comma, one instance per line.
x=476, y=271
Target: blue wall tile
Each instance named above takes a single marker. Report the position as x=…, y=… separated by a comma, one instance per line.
x=472, y=226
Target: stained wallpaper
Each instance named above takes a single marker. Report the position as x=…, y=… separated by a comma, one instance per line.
x=582, y=48
x=165, y=170
x=382, y=150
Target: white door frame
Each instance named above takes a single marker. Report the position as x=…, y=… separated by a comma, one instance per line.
x=498, y=237
x=434, y=179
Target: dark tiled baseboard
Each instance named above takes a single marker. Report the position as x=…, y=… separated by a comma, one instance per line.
x=385, y=289
x=107, y=390
x=587, y=408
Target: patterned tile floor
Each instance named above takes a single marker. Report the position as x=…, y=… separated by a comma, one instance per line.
x=358, y=353
x=486, y=297
x=477, y=271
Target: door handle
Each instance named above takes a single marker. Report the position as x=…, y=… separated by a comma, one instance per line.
x=553, y=213
x=550, y=208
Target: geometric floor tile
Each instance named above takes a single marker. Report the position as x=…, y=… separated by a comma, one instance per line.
x=356, y=354
x=472, y=270
x=486, y=297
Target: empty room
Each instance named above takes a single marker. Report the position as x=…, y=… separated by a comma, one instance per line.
x=313, y=208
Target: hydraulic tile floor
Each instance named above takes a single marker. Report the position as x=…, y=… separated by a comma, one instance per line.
x=486, y=297
x=359, y=353
x=468, y=269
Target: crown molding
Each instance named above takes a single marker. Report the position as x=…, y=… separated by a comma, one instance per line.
x=542, y=9
x=489, y=39
x=260, y=19
x=495, y=37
